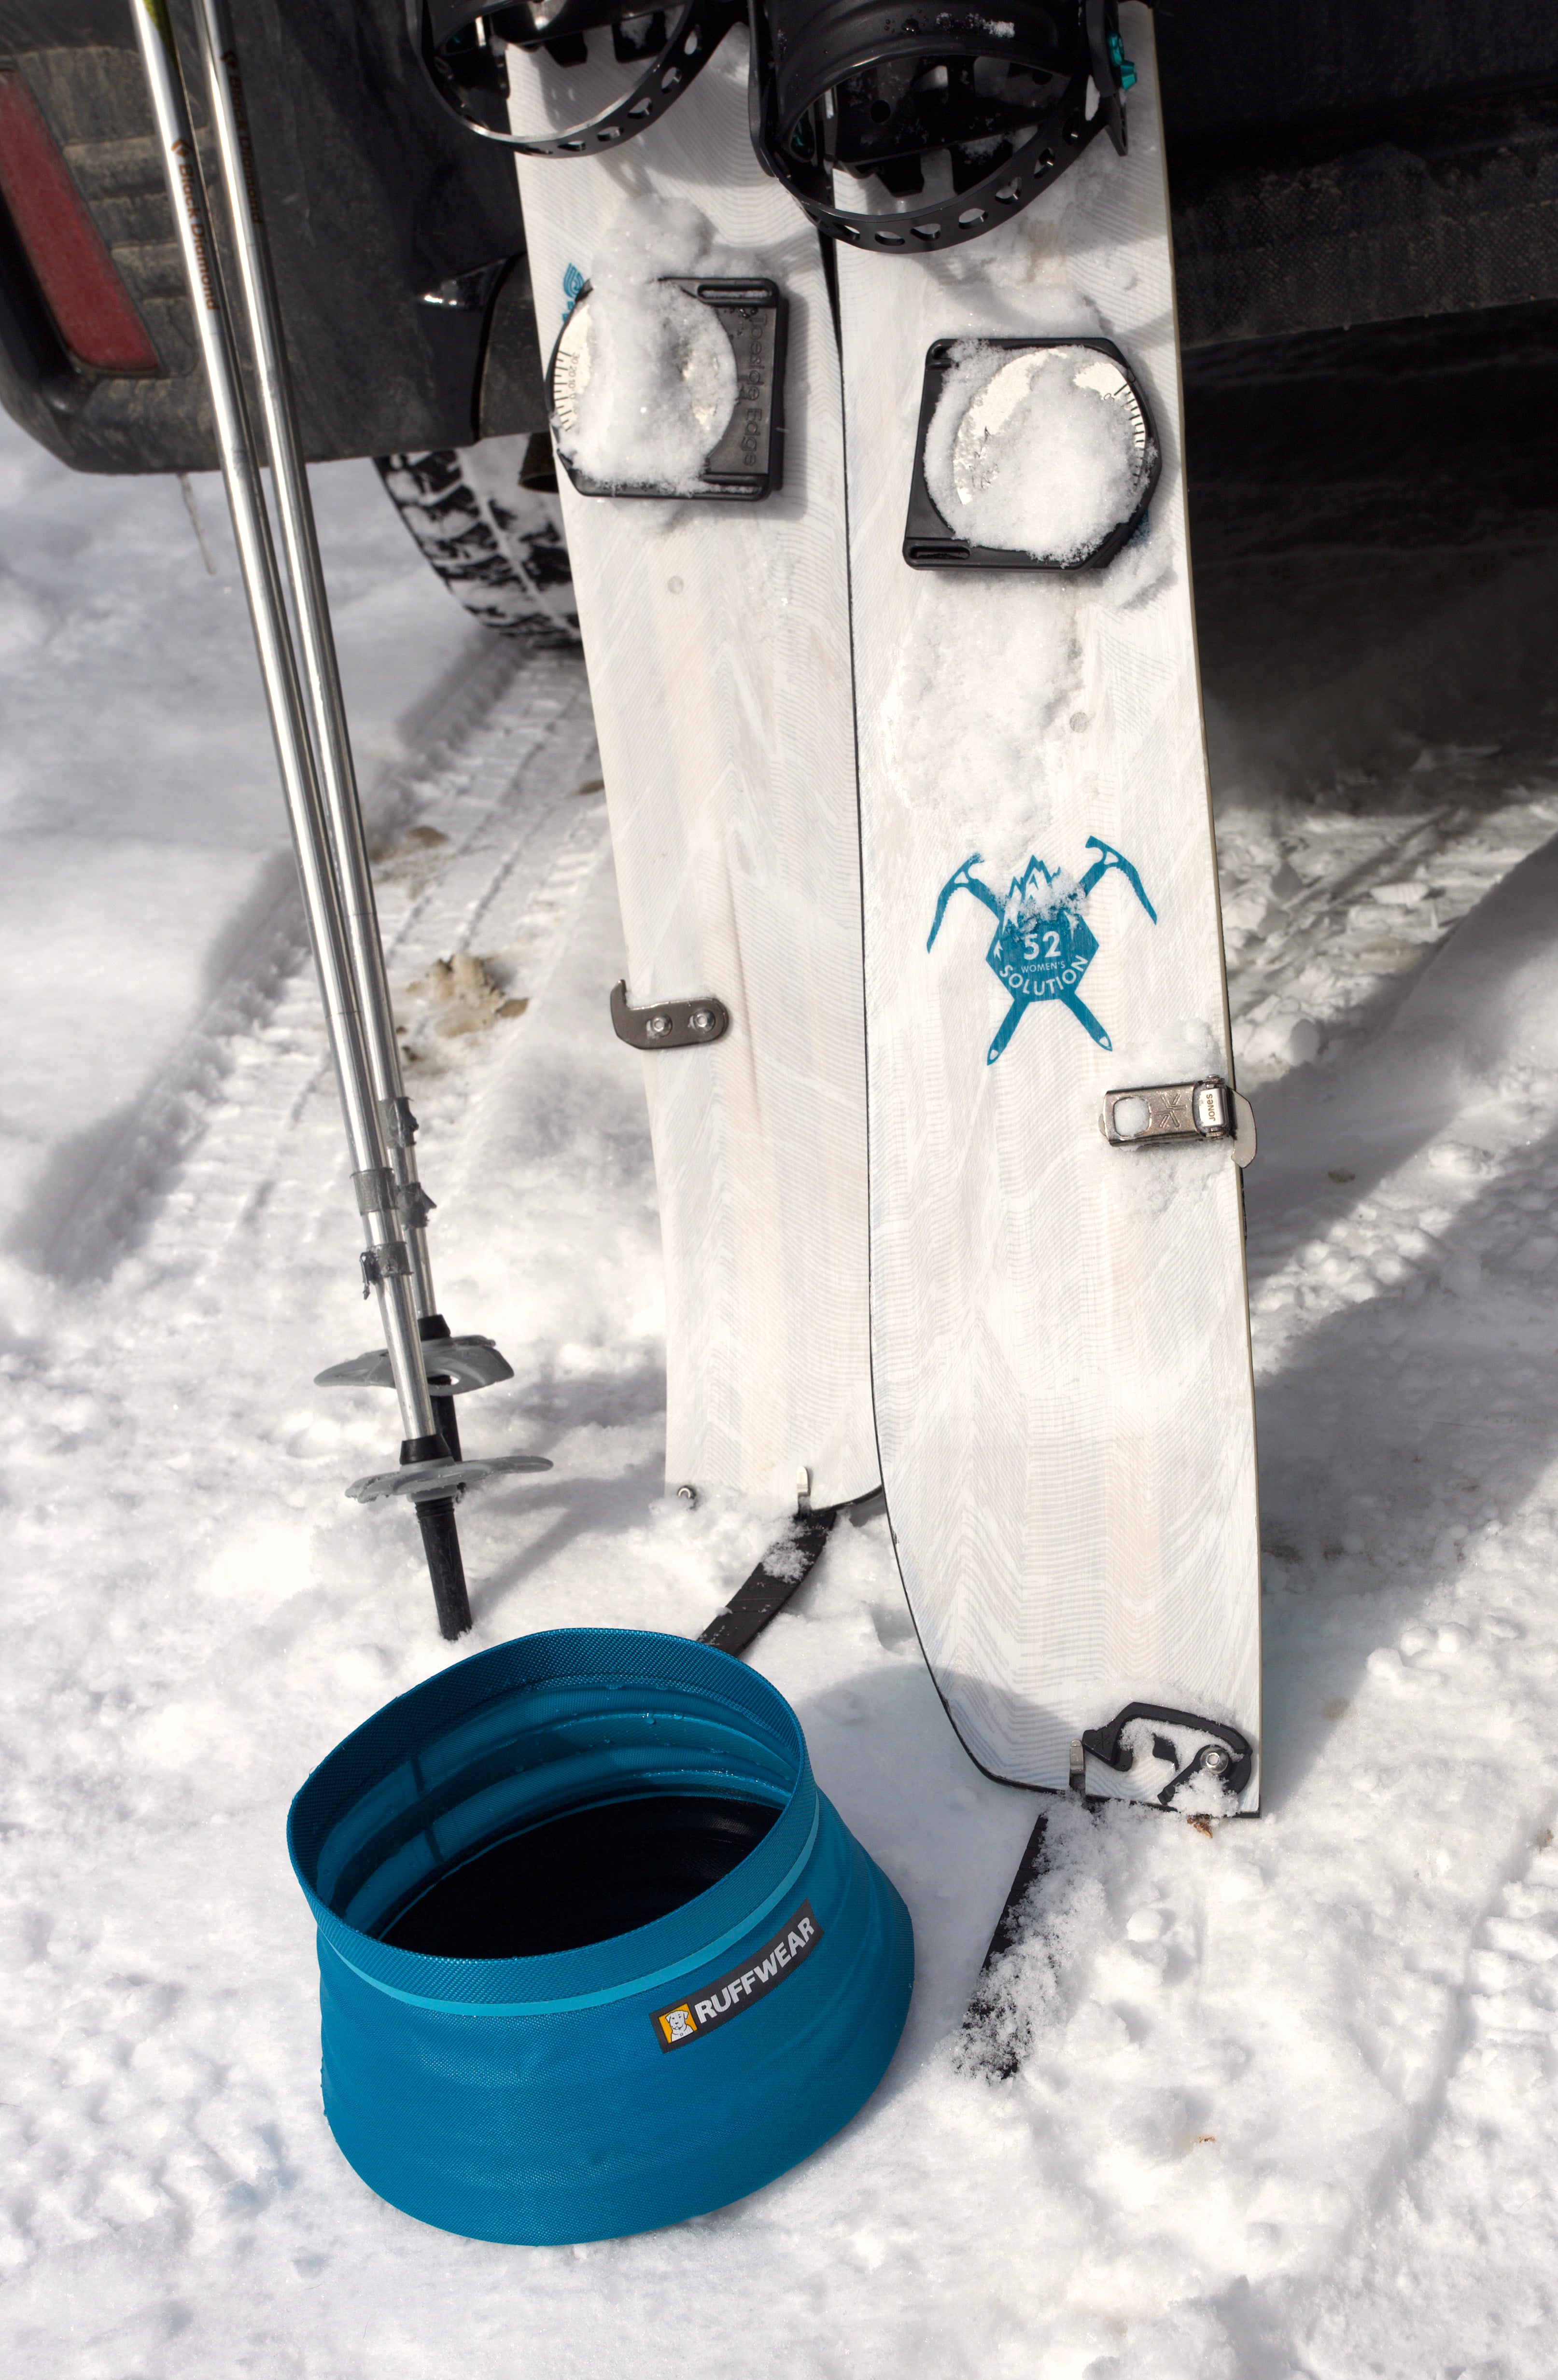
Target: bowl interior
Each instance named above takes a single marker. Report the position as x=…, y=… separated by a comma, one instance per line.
x=549, y=1817
x=581, y=1877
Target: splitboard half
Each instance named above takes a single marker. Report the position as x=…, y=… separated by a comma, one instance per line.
x=1059, y=1322
x=716, y=635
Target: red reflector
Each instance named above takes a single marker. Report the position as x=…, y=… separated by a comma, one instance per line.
x=90, y=303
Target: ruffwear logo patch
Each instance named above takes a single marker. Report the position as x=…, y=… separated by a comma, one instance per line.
x=742, y=1989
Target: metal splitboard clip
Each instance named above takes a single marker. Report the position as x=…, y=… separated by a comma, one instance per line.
x=670, y=1024
x=1146, y=1113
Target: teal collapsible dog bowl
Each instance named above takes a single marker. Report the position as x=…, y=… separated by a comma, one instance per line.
x=595, y=1954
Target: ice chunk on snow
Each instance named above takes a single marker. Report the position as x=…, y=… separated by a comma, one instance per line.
x=1033, y=452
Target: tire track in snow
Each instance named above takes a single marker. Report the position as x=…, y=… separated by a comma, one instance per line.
x=1475, y=2203
x=1333, y=904
x=489, y=837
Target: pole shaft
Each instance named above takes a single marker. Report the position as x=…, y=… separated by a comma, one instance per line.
x=384, y=1253
x=321, y=672
x=435, y=1518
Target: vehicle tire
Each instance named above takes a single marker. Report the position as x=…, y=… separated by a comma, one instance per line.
x=496, y=543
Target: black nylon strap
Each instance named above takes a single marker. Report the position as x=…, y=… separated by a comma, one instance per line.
x=785, y=1567
x=701, y=27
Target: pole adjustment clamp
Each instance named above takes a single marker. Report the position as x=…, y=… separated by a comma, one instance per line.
x=413, y=1205
x=375, y=1190
x=398, y=1123
x=380, y=1264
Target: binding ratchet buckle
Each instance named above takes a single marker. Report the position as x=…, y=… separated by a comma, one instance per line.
x=1149, y=1113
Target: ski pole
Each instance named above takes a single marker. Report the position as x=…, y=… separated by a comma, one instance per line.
x=321, y=672
x=386, y=1259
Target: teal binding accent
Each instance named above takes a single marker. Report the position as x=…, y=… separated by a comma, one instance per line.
x=1121, y=64
x=635, y=1984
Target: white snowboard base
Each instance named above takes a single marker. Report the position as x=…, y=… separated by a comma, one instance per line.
x=1059, y=1341
x=718, y=644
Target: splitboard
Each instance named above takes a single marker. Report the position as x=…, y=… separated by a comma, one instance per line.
x=1059, y=1323
x=715, y=628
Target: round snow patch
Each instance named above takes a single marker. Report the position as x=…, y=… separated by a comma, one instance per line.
x=649, y=388
x=1043, y=451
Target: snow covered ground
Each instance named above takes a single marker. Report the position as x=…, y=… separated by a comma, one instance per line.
x=1288, y=2104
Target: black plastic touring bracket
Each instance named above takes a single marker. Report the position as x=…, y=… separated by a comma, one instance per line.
x=1228, y=1759
x=747, y=461
x=931, y=543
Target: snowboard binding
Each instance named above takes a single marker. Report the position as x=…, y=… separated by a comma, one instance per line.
x=958, y=117
x=463, y=50
x=958, y=123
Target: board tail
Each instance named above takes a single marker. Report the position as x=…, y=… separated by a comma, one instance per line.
x=997, y=2031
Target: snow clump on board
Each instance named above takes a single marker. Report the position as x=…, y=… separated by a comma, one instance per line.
x=655, y=383
x=1047, y=465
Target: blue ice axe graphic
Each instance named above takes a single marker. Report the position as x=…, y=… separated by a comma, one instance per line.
x=1043, y=945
